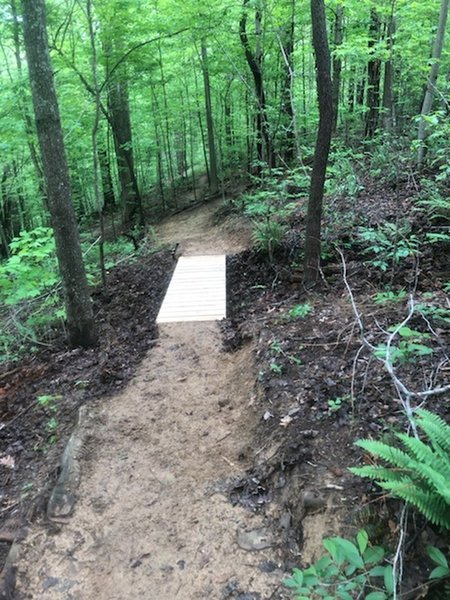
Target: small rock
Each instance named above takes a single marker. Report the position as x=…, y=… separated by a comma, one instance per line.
x=167, y=568
x=268, y=566
x=254, y=540
x=313, y=500
x=50, y=582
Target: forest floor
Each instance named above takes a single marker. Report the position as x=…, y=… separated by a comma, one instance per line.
x=213, y=456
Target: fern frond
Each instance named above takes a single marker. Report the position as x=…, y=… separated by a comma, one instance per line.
x=378, y=472
x=429, y=504
x=435, y=428
x=418, y=449
x=419, y=473
x=390, y=454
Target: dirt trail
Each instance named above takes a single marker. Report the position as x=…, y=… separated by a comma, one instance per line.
x=148, y=522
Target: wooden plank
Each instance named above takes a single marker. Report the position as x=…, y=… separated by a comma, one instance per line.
x=197, y=291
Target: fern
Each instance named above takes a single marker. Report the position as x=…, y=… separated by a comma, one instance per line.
x=419, y=471
x=435, y=427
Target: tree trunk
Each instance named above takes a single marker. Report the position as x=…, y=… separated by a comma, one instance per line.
x=169, y=160
x=388, y=87
x=119, y=112
x=213, y=176
x=107, y=184
x=287, y=94
x=254, y=61
x=24, y=107
x=324, y=93
x=200, y=123
x=80, y=321
x=432, y=79
x=337, y=62
x=373, y=78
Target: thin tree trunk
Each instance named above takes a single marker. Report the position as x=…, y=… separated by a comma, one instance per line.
x=94, y=133
x=159, y=148
x=119, y=112
x=28, y=123
x=170, y=169
x=373, y=77
x=202, y=129
x=191, y=143
x=323, y=142
x=214, y=179
x=80, y=321
x=337, y=62
x=432, y=79
x=290, y=144
x=107, y=184
x=388, y=86
x=254, y=61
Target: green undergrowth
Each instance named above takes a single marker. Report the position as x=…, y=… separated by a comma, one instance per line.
x=32, y=310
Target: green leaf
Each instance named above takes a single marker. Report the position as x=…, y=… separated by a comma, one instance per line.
x=437, y=556
x=362, y=539
x=389, y=579
x=439, y=572
x=373, y=554
x=331, y=547
x=377, y=571
x=350, y=552
x=376, y=596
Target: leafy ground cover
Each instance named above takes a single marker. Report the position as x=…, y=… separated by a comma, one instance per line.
x=321, y=388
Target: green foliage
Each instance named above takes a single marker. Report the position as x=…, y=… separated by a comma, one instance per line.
x=438, y=146
x=386, y=157
x=299, y=311
x=347, y=570
x=335, y=404
x=389, y=244
x=268, y=236
x=390, y=297
x=30, y=292
x=442, y=570
x=435, y=313
x=342, y=178
x=49, y=401
x=433, y=202
x=277, y=350
x=418, y=471
x=31, y=268
x=407, y=349
x=268, y=207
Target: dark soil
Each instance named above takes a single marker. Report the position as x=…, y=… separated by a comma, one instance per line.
x=320, y=389
x=33, y=434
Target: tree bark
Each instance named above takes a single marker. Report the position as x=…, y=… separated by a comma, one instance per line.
x=119, y=112
x=373, y=78
x=337, y=62
x=287, y=94
x=107, y=184
x=254, y=61
x=213, y=174
x=323, y=142
x=432, y=79
x=80, y=321
x=28, y=123
x=388, y=87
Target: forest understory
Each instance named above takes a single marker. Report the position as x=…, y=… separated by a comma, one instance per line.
x=318, y=389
